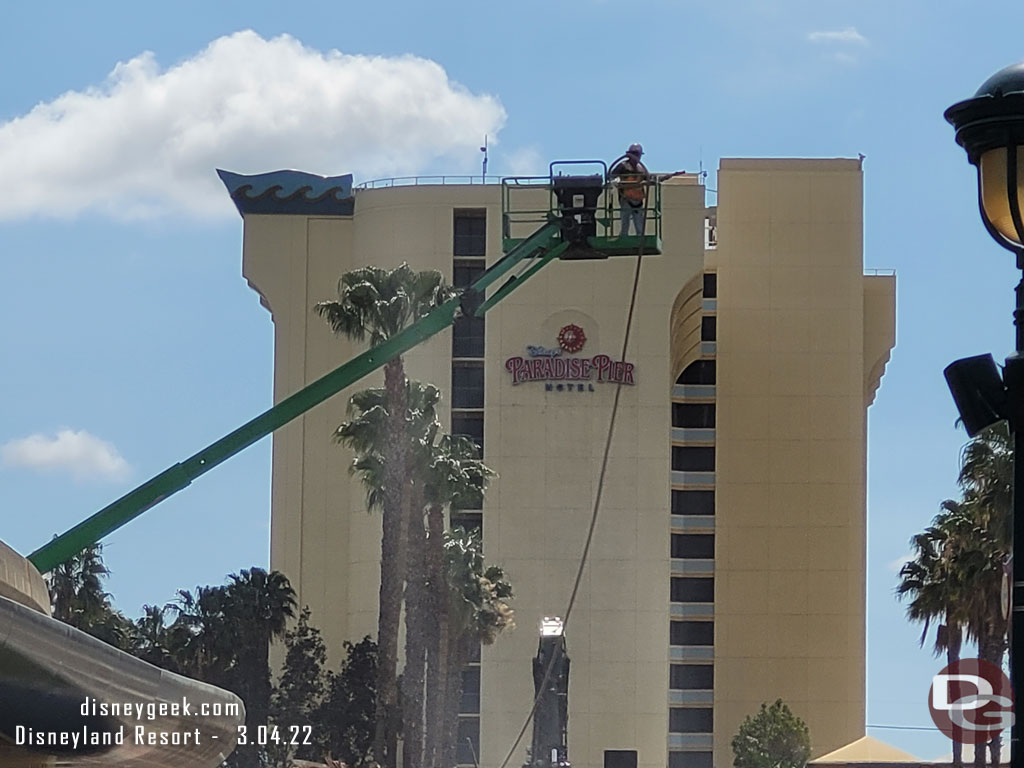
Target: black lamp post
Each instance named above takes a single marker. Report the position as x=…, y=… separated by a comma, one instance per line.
x=990, y=127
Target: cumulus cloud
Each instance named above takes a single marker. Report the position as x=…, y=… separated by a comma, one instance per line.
x=78, y=453
x=847, y=35
x=147, y=140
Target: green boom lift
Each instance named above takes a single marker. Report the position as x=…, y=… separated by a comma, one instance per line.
x=48, y=668
x=577, y=223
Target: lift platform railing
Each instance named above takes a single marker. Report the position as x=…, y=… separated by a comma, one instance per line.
x=527, y=201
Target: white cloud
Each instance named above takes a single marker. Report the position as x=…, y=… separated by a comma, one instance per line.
x=82, y=455
x=848, y=35
x=147, y=140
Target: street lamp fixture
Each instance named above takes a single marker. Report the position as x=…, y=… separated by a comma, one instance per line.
x=990, y=126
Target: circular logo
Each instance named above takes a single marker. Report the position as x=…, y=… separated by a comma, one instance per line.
x=971, y=701
x=571, y=338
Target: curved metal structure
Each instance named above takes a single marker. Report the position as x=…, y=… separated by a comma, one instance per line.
x=68, y=699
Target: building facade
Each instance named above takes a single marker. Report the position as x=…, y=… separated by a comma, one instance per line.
x=728, y=562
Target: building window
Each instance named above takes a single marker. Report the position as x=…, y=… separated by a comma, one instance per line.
x=470, y=232
x=699, y=546
x=691, y=677
x=692, y=633
x=469, y=521
x=691, y=720
x=710, y=285
x=467, y=751
x=620, y=758
x=467, y=385
x=698, y=372
x=470, y=703
x=693, y=415
x=708, y=327
x=693, y=502
x=468, y=337
x=690, y=760
x=690, y=458
x=467, y=271
x=687, y=589
x=470, y=424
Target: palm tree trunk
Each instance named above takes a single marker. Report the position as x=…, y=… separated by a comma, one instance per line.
x=437, y=637
x=415, y=637
x=993, y=653
x=954, y=642
x=392, y=565
x=984, y=652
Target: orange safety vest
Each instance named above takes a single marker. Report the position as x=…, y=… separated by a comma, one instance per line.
x=633, y=187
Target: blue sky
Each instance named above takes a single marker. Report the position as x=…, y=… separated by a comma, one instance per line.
x=129, y=338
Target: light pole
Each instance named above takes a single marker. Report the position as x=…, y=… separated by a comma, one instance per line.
x=990, y=126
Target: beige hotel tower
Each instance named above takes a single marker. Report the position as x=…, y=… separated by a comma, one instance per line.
x=728, y=564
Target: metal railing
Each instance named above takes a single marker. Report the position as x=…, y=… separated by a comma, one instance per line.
x=416, y=181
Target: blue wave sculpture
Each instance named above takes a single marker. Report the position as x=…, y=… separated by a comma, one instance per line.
x=291, y=192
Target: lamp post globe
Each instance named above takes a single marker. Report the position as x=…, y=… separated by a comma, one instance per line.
x=990, y=127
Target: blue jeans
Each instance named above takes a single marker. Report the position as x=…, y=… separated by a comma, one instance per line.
x=637, y=215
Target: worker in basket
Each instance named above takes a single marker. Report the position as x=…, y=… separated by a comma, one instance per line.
x=631, y=177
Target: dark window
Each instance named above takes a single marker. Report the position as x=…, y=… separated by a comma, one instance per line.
x=468, y=337
x=690, y=721
x=708, y=327
x=474, y=654
x=620, y=758
x=467, y=385
x=692, y=633
x=471, y=425
x=698, y=372
x=687, y=589
x=710, y=285
x=689, y=458
x=468, y=521
x=691, y=677
x=467, y=751
x=693, y=545
x=690, y=760
x=693, y=502
x=470, y=703
x=467, y=271
x=693, y=415
x=470, y=230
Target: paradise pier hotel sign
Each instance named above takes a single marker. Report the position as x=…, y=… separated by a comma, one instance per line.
x=568, y=374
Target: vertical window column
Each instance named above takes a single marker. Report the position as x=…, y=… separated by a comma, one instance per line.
x=692, y=551
x=469, y=260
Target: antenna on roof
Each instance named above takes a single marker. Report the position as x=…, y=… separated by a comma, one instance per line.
x=483, y=173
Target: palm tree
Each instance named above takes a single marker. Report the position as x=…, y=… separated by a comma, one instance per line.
x=456, y=478
x=379, y=304
x=935, y=593
x=984, y=536
x=257, y=605
x=76, y=588
x=153, y=638
x=956, y=575
x=199, y=639
x=478, y=612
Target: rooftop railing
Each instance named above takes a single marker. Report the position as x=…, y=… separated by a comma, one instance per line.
x=417, y=181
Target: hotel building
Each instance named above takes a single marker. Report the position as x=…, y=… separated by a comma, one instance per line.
x=728, y=564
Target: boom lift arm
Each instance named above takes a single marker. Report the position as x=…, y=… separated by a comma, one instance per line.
x=545, y=244
x=572, y=227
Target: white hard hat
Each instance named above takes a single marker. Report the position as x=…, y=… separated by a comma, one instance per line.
x=635, y=149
